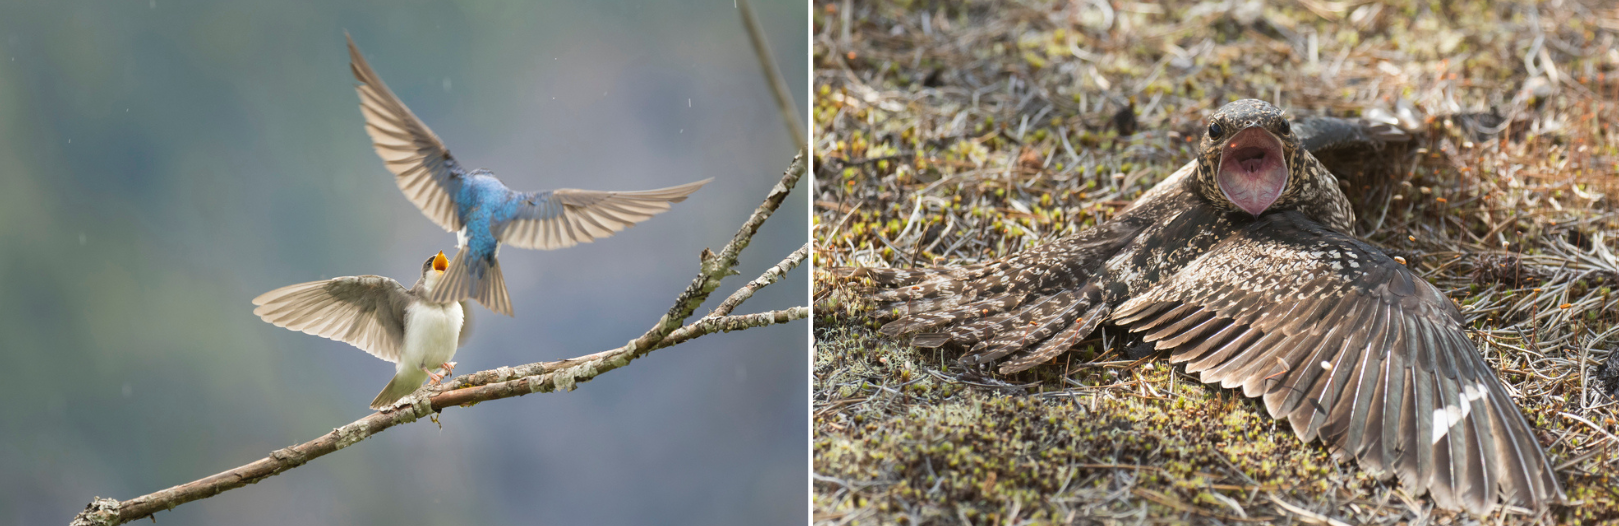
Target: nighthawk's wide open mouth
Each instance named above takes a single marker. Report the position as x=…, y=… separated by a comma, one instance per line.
x=1252, y=172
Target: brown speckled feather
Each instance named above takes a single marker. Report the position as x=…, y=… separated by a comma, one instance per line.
x=1456, y=432
x=1330, y=333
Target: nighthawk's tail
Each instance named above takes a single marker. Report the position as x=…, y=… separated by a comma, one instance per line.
x=474, y=277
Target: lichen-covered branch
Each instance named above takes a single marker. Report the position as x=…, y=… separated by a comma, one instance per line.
x=503, y=382
x=716, y=267
x=738, y=322
x=109, y=511
x=770, y=276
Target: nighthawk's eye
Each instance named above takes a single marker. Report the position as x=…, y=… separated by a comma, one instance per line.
x=1285, y=128
x=1215, y=131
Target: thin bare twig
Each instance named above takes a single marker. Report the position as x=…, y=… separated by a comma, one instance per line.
x=503, y=382
x=778, y=85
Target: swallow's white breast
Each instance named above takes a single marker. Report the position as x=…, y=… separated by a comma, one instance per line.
x=431, y=334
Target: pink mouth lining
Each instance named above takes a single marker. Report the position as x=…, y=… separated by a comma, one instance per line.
x=1252, y=173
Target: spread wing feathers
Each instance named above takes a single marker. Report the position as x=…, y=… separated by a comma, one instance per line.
x=1027, y=327
x=976, y=302
x=1076, y=332
x=905, y=277
x=1320, y=134
x=365, y=311
x=1039, y=332
x=421, y=163
x=567, y=217
x=930, y=314
x=1354, y=348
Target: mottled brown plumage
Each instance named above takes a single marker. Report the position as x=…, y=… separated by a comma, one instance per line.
x=1345, y=343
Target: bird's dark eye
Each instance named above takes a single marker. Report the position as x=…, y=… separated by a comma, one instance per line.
x=1285, y=128
x=1215, y=131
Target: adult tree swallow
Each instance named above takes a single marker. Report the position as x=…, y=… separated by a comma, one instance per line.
x=479, y=208
x=381, y=317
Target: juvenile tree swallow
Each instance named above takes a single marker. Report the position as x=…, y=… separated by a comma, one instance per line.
x=479, y=208
x=381, y=317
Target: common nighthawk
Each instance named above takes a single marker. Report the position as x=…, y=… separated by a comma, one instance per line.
x=1242, y=266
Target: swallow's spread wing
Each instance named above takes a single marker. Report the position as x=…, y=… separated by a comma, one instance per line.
x=421, y=163
x=567, y=217
x=365, y=311
x=1350, y=346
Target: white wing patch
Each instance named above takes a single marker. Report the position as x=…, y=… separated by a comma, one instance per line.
x=1451, y=415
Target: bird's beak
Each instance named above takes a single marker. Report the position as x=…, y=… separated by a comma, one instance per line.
x=1252, y=171
x=439, y=263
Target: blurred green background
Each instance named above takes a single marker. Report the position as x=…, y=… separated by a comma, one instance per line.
x=163, y=162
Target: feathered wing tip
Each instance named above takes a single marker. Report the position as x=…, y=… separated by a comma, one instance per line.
x=1373, y=362
x=1010, y=304
x=930, y=314
x=566, y=217
x=1076, y=332
x=1057, y=265
x=364, y=311
x=899, y=277
x=476, y=278
x=1323, y=135
x=920, y=299
x=924, y=299
x=402, y=385
x=889, y=277
x=421, y=163
x=1039, y=331
x=997, y=310
x=672, y=194
x=930, y=340
x=283, y=291
x=1028, y=327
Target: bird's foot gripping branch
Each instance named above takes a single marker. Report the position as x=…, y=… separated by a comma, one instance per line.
x=508, y=382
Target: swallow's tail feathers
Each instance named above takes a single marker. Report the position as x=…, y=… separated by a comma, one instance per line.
x=491, y=290
x=474, y=277
x=402, y=385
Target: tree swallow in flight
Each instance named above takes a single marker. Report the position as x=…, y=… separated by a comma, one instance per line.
x=381, y=317
x=479, y=208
